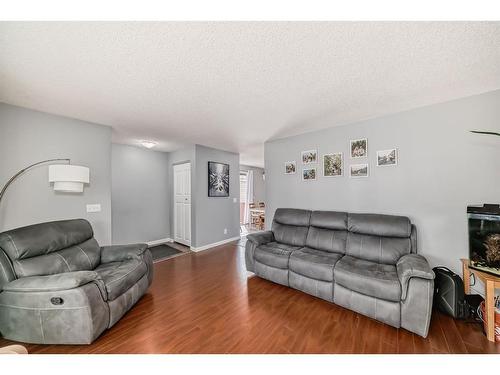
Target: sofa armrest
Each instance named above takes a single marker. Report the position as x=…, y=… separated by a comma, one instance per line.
x=412, y=265
x=122, y=252
x=52, y=283
x=261, y=238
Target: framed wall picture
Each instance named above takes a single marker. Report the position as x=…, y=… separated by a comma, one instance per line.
x=308, y=174
x=359, y=148
x=309, y=157
x=387, y=158
x=218, y=179
x=290, y=167
x=358, y=170
x=333, y=165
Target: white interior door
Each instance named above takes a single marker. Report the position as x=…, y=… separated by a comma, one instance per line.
x=182, y=203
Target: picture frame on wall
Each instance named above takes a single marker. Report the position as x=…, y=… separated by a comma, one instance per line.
x=290, y=167
x=358, y=170
x=359, y=148
x=218, y=179
x=387, y=158
x=333, y=165
x=309, y=157
x=308, y=174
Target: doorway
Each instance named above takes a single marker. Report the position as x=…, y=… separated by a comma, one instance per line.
x=243, y=197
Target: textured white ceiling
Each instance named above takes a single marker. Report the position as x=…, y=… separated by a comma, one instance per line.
x=234, y=85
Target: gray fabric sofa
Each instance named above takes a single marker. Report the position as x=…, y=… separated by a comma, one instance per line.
x=58, y=286
x=363, y=262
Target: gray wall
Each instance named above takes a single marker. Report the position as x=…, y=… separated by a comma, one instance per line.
x=442, y=169
x=28, y=136
x=212, y=215
x=140, y=197
x=259, y=186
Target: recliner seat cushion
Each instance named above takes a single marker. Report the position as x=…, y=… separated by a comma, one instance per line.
x=369, y=278
x=315, y=264
x=274, y=254
x=118, y=277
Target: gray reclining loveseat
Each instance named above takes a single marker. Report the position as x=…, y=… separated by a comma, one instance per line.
x=364, y=262
x=58, y=286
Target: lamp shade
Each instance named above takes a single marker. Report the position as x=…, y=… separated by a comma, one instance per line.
x=69, y=178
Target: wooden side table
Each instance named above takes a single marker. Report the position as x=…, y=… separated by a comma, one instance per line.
x=490, y=283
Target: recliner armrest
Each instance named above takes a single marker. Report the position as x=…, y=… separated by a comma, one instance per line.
x=261, y=238
x=52, y=283
x=122, y=252
x=409, y=266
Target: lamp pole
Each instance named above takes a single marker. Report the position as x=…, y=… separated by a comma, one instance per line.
x=13, y=178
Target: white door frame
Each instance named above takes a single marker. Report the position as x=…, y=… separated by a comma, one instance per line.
x=182, y=200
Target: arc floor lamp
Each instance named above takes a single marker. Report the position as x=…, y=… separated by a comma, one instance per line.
x=65, y=177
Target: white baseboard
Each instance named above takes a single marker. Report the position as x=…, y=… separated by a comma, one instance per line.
x=160, y=241
x=201, y=248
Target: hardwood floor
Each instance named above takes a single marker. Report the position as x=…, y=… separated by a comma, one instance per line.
x=204, y=303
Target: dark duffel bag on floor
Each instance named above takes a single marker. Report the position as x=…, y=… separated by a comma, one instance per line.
x=449, y=296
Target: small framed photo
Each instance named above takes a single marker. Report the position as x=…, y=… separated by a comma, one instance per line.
x=308, y=174
x=309, y=157
x=359, y=148
x=358, y=170
x=333, y=165
x=387, y=158
x=290, y=167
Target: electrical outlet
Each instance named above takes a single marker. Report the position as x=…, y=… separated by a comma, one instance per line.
x=94, y=207
x=225, y=230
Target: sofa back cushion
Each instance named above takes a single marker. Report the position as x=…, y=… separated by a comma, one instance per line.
x=50, y=248
x=328, y=231
x=378, y=238
x=290, y=226
x=6, y=270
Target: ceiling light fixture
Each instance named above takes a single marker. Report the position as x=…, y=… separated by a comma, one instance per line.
x=149, y=144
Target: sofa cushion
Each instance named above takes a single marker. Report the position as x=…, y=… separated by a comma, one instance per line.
x=81, y=257
x=369, y=278
x=292, y=216
x=312, y=263
x=274, y=254
x=51, y=248
x=380, y=225
x=327, y=240
x=44, y=238
x=118, y=277
x=329, y=220
x=387, y=250
x=290, y=226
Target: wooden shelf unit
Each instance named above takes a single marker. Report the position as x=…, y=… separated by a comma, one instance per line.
x=490, y=283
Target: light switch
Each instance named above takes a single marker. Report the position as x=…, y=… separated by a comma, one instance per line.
x=235, y=200
x=94, y=207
